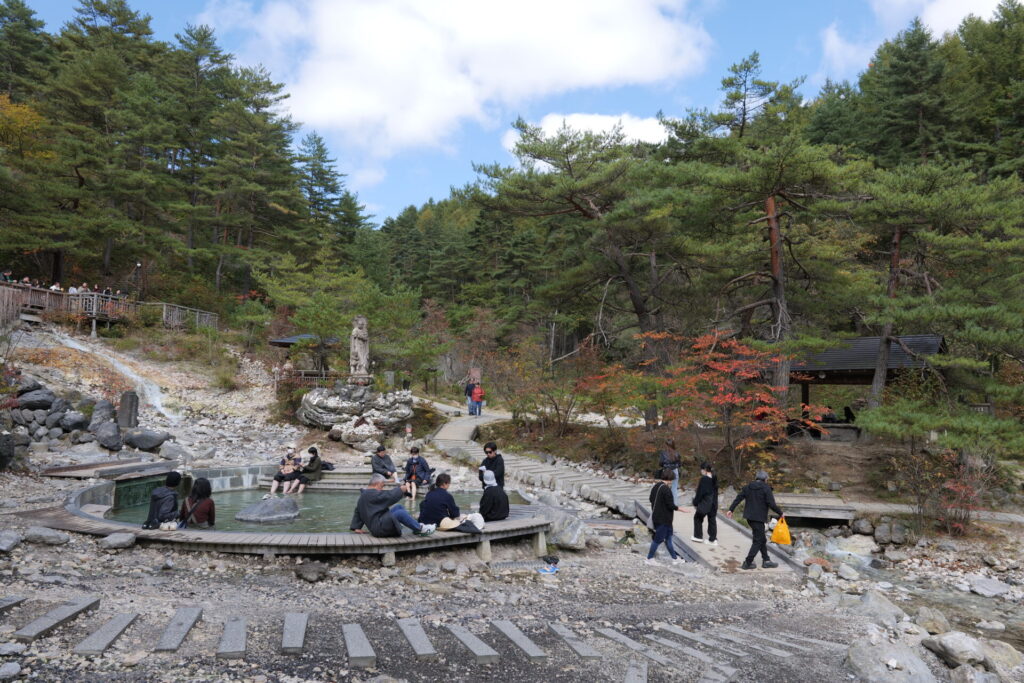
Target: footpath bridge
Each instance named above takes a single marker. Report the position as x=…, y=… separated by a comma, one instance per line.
x=28, y=303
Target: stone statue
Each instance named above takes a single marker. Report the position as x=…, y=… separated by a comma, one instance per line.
x=359, y=349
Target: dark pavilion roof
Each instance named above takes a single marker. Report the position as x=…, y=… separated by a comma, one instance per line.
x=861, y=353
x=295, y=339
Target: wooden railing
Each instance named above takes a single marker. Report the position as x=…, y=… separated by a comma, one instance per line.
x=16, y=299
x=177, y=316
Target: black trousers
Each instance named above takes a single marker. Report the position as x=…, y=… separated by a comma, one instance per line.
x=760, y=543
x=698, y=525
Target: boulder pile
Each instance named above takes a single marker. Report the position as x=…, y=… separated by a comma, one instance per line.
x=355, y=415
x=39, y=416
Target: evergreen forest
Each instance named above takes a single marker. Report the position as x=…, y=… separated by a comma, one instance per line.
x=889, y=206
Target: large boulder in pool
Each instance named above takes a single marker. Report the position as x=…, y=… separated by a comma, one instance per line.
x=269, y=511
x=145, y=439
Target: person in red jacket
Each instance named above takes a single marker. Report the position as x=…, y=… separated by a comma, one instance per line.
x=198, y=510
x=478, y=398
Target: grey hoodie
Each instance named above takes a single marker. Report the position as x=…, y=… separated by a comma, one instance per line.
x=163, y=506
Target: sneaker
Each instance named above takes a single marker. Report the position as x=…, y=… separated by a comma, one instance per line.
x=712, y=542
x=651, y=562
x=548, y=570
x=678, y=561
x=426, y=529
x=267, y=497
x=696, y=539
x=768, y=564
x=748, y=565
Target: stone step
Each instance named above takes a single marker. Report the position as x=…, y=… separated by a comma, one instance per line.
x=418, y=639
x=293, y=633
x=575, y=643
x=481, y=651
x=771, y=640
x=360, y=652
x=181, y=623
x=633, y=645
x=721, y=668
x=746, y=643
x=519, y=639
x=703, y=640
x=58, y=616
x=232, y=641
x=636, y=672
x=104, y=637
x=10, y=602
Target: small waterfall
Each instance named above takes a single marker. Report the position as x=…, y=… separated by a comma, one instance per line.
x=148, y=390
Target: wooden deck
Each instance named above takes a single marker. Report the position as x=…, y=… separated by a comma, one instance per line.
x=273, y=541
x=31, y=302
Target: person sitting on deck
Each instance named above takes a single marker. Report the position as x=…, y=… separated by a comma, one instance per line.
x=163, y=503
x=494, y=503
x=288, y=470
x=198, y=510
x=438, y=503
x=310, y=472
x=382, y=514
x=380, y=463
x=417, y=471
x=493, y=462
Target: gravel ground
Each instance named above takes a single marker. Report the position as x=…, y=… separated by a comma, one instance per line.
x=607, y=588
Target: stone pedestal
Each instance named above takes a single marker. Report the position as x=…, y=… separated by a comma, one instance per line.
x=128, y=410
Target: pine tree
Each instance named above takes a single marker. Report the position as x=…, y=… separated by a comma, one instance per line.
x=906, y=110
x=25, y=51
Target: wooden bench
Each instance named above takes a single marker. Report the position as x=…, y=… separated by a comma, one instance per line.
x=271, y=542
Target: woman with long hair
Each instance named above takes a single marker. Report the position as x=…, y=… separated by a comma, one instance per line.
x=198, y=510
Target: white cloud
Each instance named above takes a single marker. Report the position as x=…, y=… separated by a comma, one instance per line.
x=393, y=74
x=633, y=127
x=843, y=58
x=938, y=15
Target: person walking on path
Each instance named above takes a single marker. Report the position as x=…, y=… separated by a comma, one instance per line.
x=380, y=463
x=705, y=504
x=759, y=499
x=493, y=462
x=494, y=502
x=663, y=509
x=669, y=458
x=470, y=386
x=478, y=399
x=382, y=514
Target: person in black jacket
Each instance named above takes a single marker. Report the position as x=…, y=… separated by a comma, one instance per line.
x=163, y=502
x=705, y=504
x=494, y=463
x=381, y=463
x=494, y=503
x=438, y=503
x=663, y=508
x=381, y=512
x=759, y=499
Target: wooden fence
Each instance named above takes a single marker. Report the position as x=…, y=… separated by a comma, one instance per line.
x=16, y=299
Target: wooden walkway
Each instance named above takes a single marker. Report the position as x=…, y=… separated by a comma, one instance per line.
x=276, y=542
x=29, y=303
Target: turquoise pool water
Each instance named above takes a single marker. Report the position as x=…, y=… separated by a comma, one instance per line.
x=320, y=511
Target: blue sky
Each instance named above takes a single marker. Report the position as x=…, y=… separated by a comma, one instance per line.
x=409, y=93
